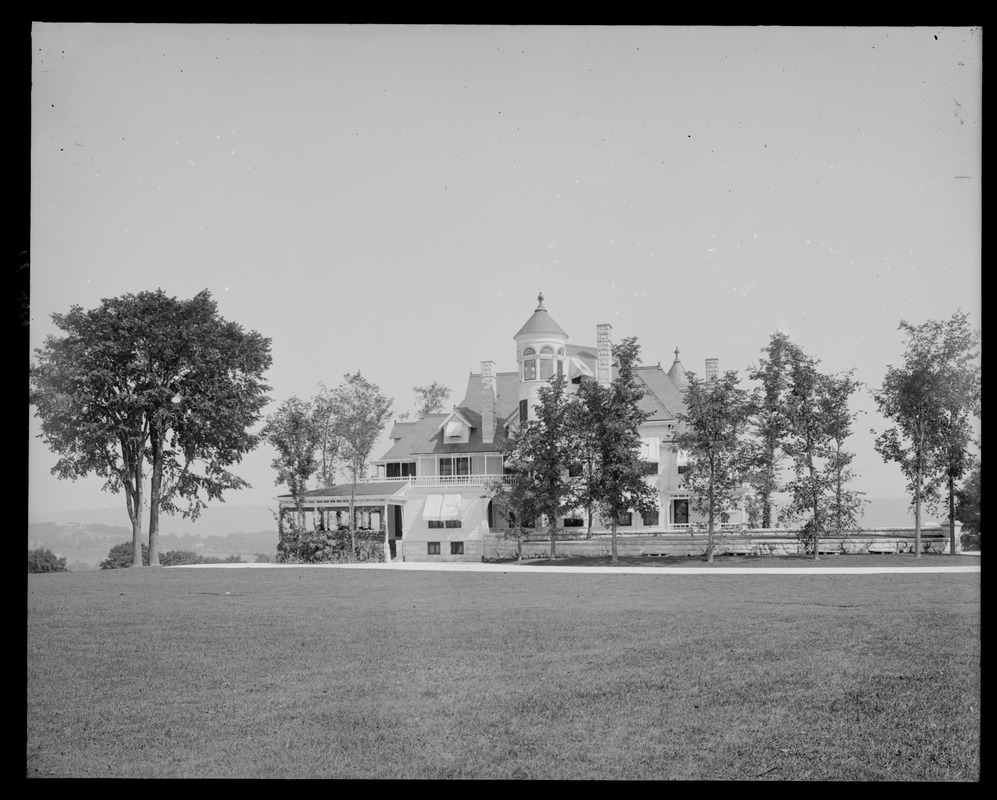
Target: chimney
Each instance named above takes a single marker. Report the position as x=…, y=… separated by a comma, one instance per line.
x=712, y=369
x=488, y=391
x=604, y=347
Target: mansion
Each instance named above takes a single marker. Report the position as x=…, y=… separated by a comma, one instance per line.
x=431, y=491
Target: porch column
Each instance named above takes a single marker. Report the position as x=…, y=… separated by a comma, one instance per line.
x=384, y=526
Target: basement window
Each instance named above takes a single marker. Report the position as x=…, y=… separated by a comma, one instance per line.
x=432, y=548
x=456, y=548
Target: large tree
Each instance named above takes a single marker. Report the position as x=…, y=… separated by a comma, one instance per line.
x=932, y=399
x=618, y=484
x=360, y=412
x=713, y=429
x=150, y=378
x=540, y=455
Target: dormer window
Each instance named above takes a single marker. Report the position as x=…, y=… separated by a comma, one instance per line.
x=453, y=429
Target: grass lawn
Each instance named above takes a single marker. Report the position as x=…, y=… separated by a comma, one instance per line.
x=330, y=673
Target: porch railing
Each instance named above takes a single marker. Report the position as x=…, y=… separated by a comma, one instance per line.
x=444, y=480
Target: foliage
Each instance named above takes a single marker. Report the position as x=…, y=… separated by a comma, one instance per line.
x=713, y=427
x=844, y=505
x=42, y=559
x=816, y=423
x=539, y=455
x=614, y=418
x=261, y=558
x=149, y=378
x=327, y=442
x=360, y=412
x=120, y=556
x=294, y=432
x=430, y=399
x=932, y=399
x=769, y=423
x=967, y=507
x=176, y=558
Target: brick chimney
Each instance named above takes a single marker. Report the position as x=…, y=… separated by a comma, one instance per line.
x=489, y=390
x=604, y=347
x=712, y=369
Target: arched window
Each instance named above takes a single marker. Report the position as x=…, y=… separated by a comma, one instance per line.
x=529, y=365
x=546, y=363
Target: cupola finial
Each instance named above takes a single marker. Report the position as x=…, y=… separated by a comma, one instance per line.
x=676, y=354
x=540, y=302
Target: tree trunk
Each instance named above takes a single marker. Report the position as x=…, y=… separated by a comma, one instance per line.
x=553, y=538
x=155, y=499
x=612, y=528
x=133, y=500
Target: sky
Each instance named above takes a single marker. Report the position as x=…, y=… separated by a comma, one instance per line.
x=392, y=199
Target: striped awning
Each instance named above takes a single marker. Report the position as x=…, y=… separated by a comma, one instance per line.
x=434, y=502
x=578, y=367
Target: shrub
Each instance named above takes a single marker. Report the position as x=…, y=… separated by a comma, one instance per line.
x=175, y=558
x=262, y=558
x=233, y=559
x=120, y=556
x=44, y=560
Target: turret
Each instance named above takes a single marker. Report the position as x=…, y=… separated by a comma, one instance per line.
x=540, y=355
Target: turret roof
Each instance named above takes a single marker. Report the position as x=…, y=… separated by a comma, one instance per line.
x=541, y=323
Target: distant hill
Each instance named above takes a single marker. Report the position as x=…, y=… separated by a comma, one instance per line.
x=216, y=520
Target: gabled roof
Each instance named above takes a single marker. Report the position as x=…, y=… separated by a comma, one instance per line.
x=506, y=393
x=541, y=323
x=462, y=417
x=411, y=437
x=662, y=398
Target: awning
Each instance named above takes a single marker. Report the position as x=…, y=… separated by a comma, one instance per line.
x=682, y=459
x=453, y=428
x=451, y=507
x=578, y=367
x=432, y=508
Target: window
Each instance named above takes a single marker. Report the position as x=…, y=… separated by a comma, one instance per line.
x=575, y=471
x=683, y=469
x=432, y=548
x=524, y=410
x=530, y=370
x=574, y=522
x=546, y=369
x=399, y=469
x=435, y=523
x=456, y=548
x=650, y=467
x=626, y=520
x=680, y=512
x=451, y=523
x=455, y=466
x=650, y=519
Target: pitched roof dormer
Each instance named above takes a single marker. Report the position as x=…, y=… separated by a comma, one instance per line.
x=455, y=428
